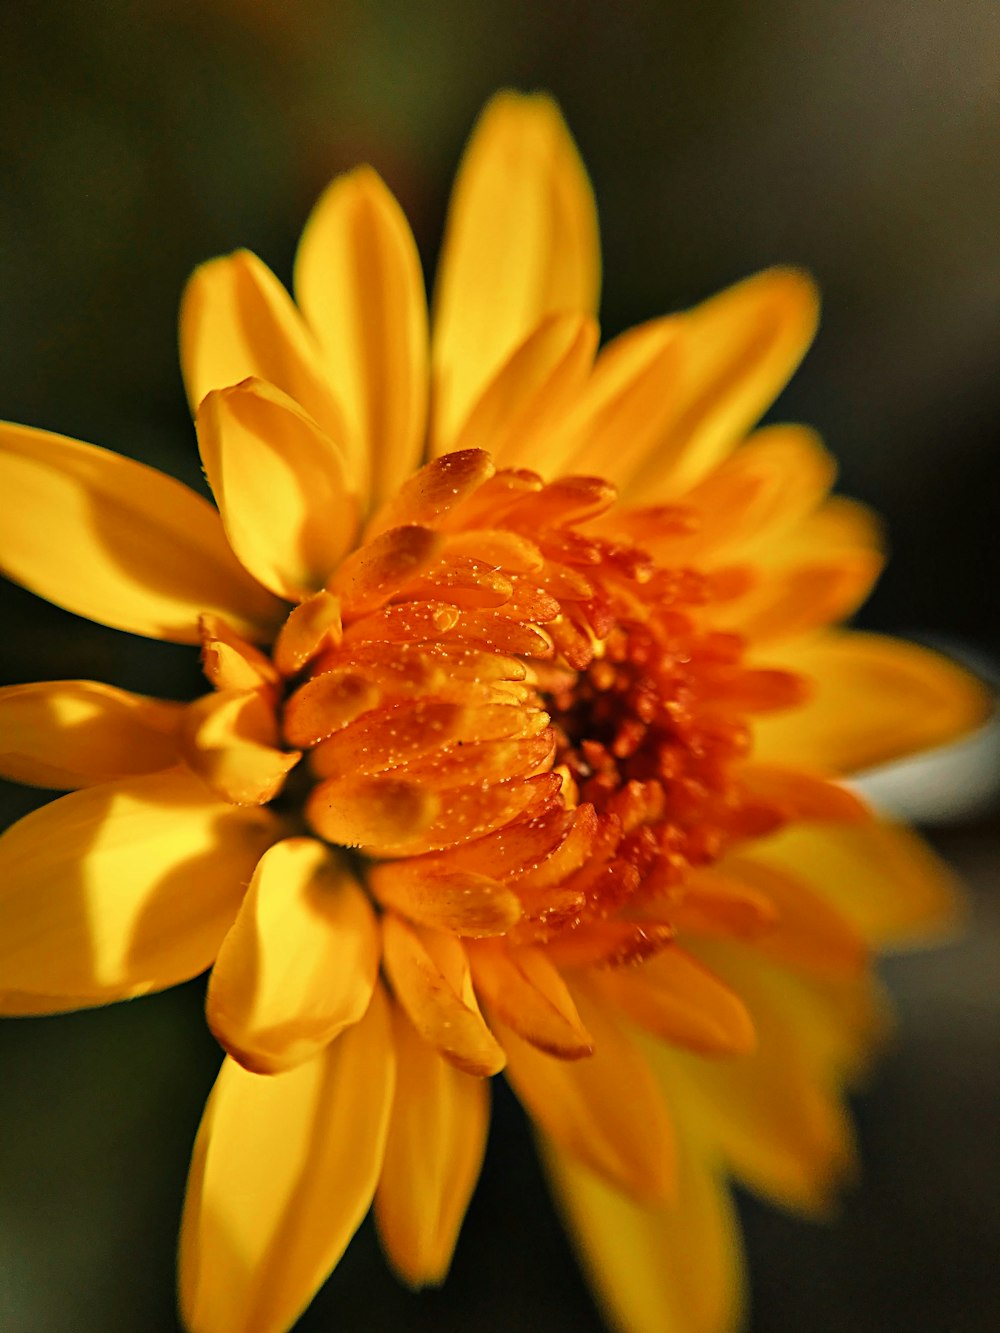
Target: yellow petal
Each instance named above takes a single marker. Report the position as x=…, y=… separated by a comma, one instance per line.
x=231, y=663
x=815, y=575
x=625, y=407
x=300, y=962
x=527, y=399
x=237, y=320
x=737, y=352
x=673, y=996
x=432, y=1159
x=429, y=972
x=874, y=699
x=799, y=795
x=311, y=627
x=751, y=500
x=521, y=242
x=135, y=549
x=606, y=1109
x=666, y=1268
x=463, y=902
x=884, y=880
x=526, y=991
x=284, y=1170
x=74, y=733
x=280, y=484
x=229, y=740
x=776, y=1114
x=123, y=889
x=810, y=932
x=359, y=283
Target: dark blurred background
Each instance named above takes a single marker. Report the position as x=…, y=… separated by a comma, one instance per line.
x=138, y=137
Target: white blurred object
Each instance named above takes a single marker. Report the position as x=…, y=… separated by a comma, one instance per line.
x=943, y=786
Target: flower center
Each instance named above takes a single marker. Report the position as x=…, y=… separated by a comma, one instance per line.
x=652, y=734
x=522, y=724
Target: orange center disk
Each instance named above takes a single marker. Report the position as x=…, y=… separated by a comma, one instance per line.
x=526, y=727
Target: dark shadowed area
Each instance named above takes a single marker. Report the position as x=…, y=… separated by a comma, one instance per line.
x=859, y=140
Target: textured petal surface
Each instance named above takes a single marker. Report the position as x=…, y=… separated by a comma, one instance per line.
x=280, y=484
x=358, y=281
x=284, y=1170
x=75, y=733
x=521, y=242
x=436, y=1141
x=300, y=962
x=135, y=550
x=667, y=1268
x=124, y=888
x=874, y=699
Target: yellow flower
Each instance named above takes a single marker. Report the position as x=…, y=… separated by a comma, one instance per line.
x=524, y=757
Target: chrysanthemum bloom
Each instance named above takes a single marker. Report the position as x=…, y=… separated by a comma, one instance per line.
x=519, y=750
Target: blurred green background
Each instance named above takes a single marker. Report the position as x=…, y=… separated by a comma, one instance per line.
x=138, y=137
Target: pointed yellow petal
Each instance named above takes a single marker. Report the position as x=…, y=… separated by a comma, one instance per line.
x=624, y=408
x=237, y=320
x=605, y=1109
x=874, y=699
x=280, y=485
x=800, y=795
x=813, y=576
x=122, y=889
x=755, y=497
x=667, y=1268
x=135, y=549
x=677, y=999
x=776, y=1114
x=75, y=733
x=521, y=242
x=432, y=1159
x=359, y=283
x=737, y=351
x=884, y=880
x=299, y=963
x=284, y=1170
x=526, y=991
x=810, y=932
x=528, y=397
x=429, y=972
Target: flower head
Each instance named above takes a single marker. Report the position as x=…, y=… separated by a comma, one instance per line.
x=519, y=751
